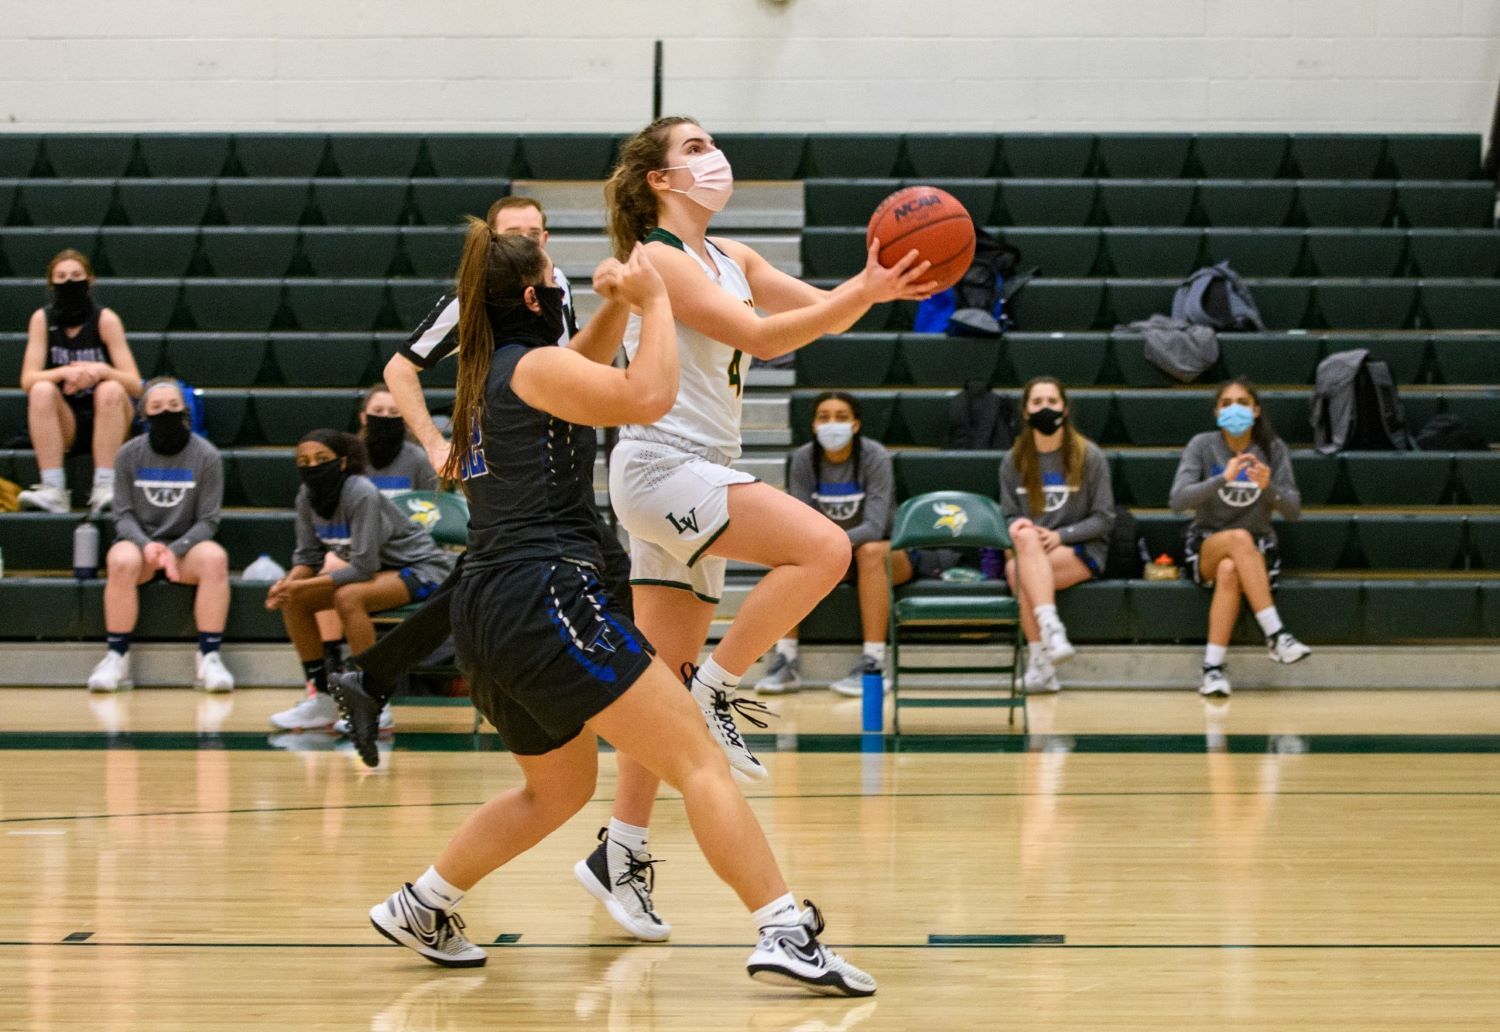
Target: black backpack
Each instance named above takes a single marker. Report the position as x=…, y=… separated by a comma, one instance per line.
x=982, y=299
x=1449, y=433
x=979, y=419
x=1127, y=552
x=1379, y=417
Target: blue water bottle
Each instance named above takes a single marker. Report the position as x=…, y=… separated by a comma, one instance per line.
x=872, y=685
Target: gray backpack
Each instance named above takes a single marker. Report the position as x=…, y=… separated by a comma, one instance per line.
x=1216, y=297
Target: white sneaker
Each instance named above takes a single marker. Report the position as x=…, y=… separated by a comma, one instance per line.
x=1055, y=643
x=44, y=497
x=101, y=499
x=111, y=674
x=718, y=713
x=1286, y=649
x=384, y=723
x=317, y=712
x=212, y=676
x=1215, y=685
x=624, y=887
x=782, y=675
x=407, y=921
x=791, y=954
x=1041, y=675
x=853, y=683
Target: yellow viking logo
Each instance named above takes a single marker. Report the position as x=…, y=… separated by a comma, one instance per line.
x=423, y=513
x=951, y=516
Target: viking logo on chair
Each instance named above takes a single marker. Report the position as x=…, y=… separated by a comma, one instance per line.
x=423, y=513
x=951, y=516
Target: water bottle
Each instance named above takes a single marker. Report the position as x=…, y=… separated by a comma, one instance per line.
x=991, y=564
x=872, y=688
x=264, y=569
x=86, y=551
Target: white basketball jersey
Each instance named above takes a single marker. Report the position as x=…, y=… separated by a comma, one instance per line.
x=711, y=380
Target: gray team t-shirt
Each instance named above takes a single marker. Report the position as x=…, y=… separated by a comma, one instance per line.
x=174, y=499
x=369, y=533
x=1083, y=516
x=1199, y=487
x=863, y=508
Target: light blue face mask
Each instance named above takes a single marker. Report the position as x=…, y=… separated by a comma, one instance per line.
x=1236, y=419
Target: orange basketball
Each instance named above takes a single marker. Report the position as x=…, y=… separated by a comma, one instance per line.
x=934, y=223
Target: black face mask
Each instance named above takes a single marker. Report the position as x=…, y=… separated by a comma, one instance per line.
x=168, y=432
x=1046, y=420
x=325, y=484
x=384, y=436
x=514, y=323
x=71, y=303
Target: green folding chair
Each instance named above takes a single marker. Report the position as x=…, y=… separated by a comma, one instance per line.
x=982, y=612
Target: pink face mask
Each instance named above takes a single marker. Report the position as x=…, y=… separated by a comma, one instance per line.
x=713, y=180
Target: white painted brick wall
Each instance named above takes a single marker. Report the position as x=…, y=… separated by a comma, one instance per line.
x=851, y=65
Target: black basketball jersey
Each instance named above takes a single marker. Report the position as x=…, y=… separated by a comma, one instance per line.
x=86, y=346
x=531, y=481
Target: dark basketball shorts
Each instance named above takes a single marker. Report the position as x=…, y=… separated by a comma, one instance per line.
x=544, y=648
x=416, y=586
x=1192, y=545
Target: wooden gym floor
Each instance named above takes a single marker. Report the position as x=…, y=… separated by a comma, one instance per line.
x=1143, y=861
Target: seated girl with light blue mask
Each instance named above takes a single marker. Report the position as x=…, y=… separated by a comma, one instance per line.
x=1233, y=481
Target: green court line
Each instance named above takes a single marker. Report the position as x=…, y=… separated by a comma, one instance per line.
x=609, y=801
x=1163, y=744
x=996, y=940
x=1394, y=946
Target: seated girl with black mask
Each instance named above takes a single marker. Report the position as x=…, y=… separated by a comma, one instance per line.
x=397, y=463
x=388, y=561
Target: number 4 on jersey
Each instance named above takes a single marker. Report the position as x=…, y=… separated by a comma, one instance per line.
x=734, y=373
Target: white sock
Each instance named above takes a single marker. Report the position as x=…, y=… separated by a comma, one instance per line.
x=432, y=890
x=627, y=835
x=875, y=650
x=54, y=478
x=1214, y=655
x=715, y=676
x=104, y=477
x=1046, y=615
x=788, y=648
x=1035, y=655
x=1269, y=620
x=777, y=912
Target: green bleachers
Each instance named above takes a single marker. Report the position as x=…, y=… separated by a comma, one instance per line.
x=278, y=272
x=1145, y=252
x=1086, y=359
x=1166, y=203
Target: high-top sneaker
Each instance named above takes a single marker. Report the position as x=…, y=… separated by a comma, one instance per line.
x=622, y=880
x=718, y=713
x=407, y=921
x=791, y=954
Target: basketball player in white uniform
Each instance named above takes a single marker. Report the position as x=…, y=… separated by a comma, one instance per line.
x=672, y=483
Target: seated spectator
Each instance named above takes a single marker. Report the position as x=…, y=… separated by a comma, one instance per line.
x=169, y=489
x=1232, y=479
x=1055, y=491
x=80, y=378
x=389, y=561
x=397, y=464
x=848, y=478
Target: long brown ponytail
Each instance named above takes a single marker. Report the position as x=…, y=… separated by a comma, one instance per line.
x=629, y=202
x=492, y=267
x=1023, y=451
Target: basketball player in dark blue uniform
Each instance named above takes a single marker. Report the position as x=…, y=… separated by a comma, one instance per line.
x=551, y=657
